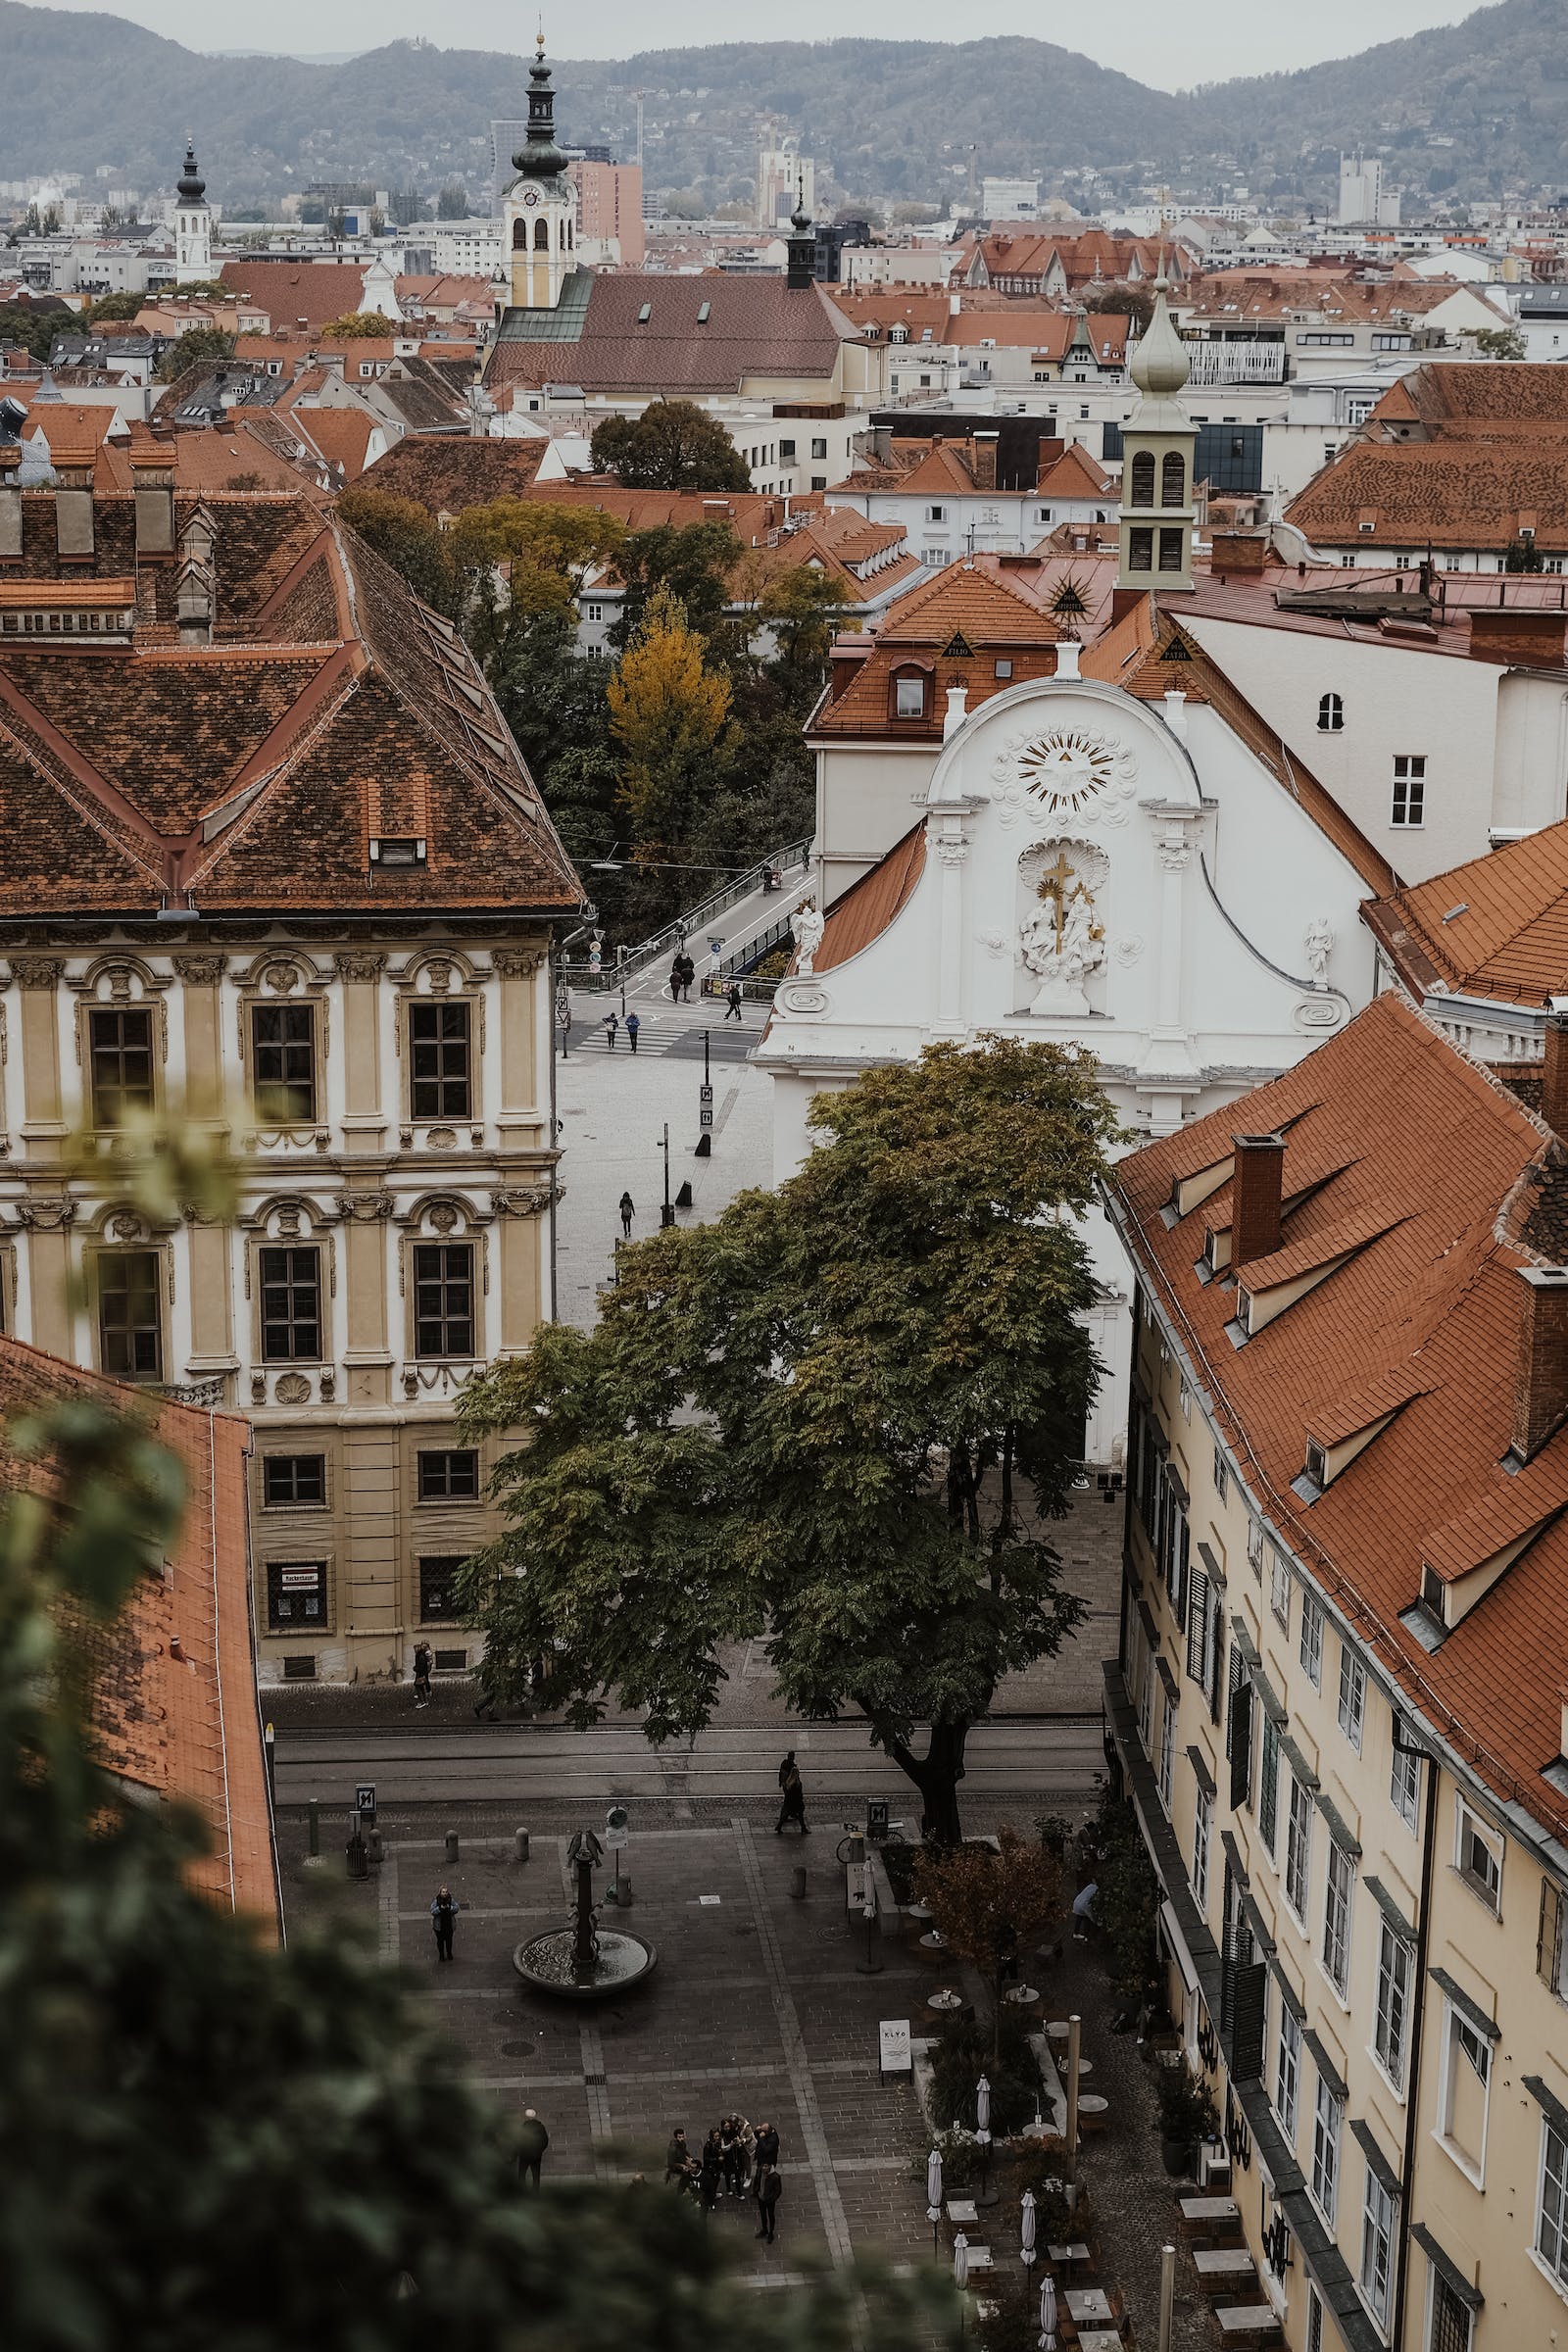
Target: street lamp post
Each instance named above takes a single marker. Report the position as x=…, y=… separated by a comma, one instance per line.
x=667, y=1215
x=564, y=1016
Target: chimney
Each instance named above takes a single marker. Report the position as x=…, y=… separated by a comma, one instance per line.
x=11, y=499
x=957, y=698
x=1238, y=551
x=1519, y=636
x=1255, y=1194
x=1554, y=1076
x=73, y=521
x=985, y=460
x=153, y=472
x=1175, y=702
x=1068, y=650
x=1540, y=1383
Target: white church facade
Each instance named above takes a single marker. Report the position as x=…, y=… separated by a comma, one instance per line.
x=1115, y=853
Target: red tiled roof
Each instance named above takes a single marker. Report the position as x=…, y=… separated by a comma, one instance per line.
x=863, y=911
x=1494, y=927
x=756, y=327
x=1457, y=397
x=316, y=291
x=1466, y=1187
x=179, y=1727
x=445, y=472
x=1469, y=493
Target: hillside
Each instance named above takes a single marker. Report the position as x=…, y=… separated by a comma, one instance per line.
x=1468, y=108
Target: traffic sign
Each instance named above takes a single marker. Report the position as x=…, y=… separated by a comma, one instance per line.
x=365, y=1801
x=618, y=1829
x=705, y=1094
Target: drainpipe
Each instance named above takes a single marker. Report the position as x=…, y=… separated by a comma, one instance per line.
x=1429, y=1842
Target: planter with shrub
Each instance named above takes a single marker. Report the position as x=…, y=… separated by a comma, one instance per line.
x=1186, y=2116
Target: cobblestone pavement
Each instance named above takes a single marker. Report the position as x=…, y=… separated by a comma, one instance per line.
x=756, y=2003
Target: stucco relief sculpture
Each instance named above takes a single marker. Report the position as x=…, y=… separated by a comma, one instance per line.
x=1062, y=938
x=1071, y=772
x=809, y=925
x=1319, y=947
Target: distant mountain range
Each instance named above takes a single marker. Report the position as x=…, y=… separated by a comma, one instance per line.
x=1468, y=110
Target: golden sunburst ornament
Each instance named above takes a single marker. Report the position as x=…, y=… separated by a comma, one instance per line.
x=1068, y=771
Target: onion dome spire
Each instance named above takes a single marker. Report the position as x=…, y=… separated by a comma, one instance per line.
x=539, y=158
x=190, y=188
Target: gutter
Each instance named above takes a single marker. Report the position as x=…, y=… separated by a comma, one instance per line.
x=1412, y=2095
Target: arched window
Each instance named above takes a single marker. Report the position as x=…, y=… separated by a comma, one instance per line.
x=1143, y=480
x=570, y=240
x=541, y=237
x=519, y=235
x=1172, y=480
x=1329, y=714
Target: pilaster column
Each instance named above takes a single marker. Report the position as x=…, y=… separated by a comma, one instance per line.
x=1169, y=1071
x=520, y=977
x=522, y=1215
x=360, y=971
x=951, y=844
x=42, y=1112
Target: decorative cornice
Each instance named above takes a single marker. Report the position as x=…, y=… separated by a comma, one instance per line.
x=355, y=964
x=38, y=971
x=523, y=1199
x=364, y=1208
x=201, y=971
x=519, y=964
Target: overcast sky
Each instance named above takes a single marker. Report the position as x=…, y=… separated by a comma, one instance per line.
x=1160, y=42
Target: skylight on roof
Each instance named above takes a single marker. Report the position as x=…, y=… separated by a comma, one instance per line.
x=644, y=313
x=702, y=310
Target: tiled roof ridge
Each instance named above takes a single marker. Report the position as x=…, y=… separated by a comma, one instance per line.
x=285, y=744
x=93, y=796
x=1382, y=1639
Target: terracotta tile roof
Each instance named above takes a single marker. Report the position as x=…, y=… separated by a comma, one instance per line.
x=445, y=473
x=177, y=1727
x=1074, y=474
x=216, y=457
x=756, y=327
x=132, y=773
x=954, y=628
x=863, y=911
x=316, y=291
x=342, y=436
x=1494, y=927
x=1471, y=493
x=1425, y=1318
x=1457, y=397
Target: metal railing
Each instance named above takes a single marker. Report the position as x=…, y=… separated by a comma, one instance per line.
x=675, y=933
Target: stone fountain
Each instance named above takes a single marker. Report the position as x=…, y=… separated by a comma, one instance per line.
x=584, y=1962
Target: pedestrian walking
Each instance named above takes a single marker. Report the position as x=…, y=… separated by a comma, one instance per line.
x=422, y=1663
x=710, y=2171
x=444, y=1920
x=688, y=973
x=674, y=982
x=634, y=1023
x=769, y=2188
x=732, y=2154
x=733, y=1002
x=612, y=1027
x=793, y=1807
x=628, y=1209
x=533, y=2141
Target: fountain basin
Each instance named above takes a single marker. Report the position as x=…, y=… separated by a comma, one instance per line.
x=621, y=1961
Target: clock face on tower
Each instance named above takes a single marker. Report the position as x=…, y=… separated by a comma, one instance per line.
x=530, y=196
x=1068, y=771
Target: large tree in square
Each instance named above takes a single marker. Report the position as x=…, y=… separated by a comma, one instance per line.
x=840, y=1419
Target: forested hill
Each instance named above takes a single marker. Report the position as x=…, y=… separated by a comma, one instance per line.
x=1473, y=108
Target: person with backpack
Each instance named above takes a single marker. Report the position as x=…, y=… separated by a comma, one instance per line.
x=444, y=1920
x=611, y=1025
x=628, y=1209
x=422, y=1663
x=633, y=1025
x=733, y=1003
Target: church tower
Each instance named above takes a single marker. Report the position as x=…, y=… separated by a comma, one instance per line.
x=193, y=226
x=1158, y=445
x=539, y=209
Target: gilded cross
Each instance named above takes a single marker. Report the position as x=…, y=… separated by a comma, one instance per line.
x=1053, y=884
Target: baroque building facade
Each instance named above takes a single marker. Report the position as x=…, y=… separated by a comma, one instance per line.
x=313, y=919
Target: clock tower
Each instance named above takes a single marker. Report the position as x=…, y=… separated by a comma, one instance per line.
x=193, y=225
x=1158, y=446
x=538, y=211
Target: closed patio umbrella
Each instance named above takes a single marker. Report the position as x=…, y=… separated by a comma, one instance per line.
x=1027, y=2248
x=1048, y=2314
x=960, y=2261
x=933, y=2193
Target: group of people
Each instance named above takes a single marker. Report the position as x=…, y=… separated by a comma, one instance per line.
x=682, y=973
x=735, y=2161
x=611, y=1028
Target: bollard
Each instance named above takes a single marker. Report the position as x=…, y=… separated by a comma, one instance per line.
x=623, y=1891
x=451, y=1845
x=357, y=1863
x=798, y=1883
x=313, y=1820
x=375, y=1846
x=519, y=1845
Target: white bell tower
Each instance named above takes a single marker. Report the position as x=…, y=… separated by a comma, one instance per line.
x=193, y=226
x=538, y=211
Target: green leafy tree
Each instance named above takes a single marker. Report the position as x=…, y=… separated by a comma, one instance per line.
x=114, y=306
x=674, y=445
x=409, y=538
x=35, y=324
x=179, y=2100
x=804, y=608
x=838, y=1419
x=692, y=562
x=545, y=552
x=990, y=1907
x=1502, y=343
x=453, y=202
x=668, y=715
x=198, y=347
x=359, y=327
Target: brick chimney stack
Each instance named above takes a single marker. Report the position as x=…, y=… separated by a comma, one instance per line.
x=1540, y=1383
x=985, y=460
x=1256, y=1190
x=10, y=500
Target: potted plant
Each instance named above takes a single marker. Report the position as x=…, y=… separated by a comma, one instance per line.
x=1186, y=2116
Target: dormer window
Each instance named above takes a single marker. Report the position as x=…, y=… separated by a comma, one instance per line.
x=909, y=697
x=397, y=850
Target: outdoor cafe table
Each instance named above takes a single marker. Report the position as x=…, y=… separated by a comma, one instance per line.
x=1073, y=2254
x=1225, y=2264
x=1221, y=2211
x=1090, y=2307
x=963, y=2211
x=1098, y=2339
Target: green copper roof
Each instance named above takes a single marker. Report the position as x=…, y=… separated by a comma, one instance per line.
x=563, y=324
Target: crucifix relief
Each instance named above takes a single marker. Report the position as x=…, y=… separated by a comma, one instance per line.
x=1062, y=938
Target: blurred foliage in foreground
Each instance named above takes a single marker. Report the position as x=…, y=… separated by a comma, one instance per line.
x=208, y=2144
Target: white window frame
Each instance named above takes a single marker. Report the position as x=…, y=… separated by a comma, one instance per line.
x=1352, y=1696
x=1437, y=2285
x=1552, y=2173
x=1299, y=1851
x=1254, y=1547
x=1168, y=1745
x=1279, y=1588
x=1314, y=2319
x=1390, y=2050
x=1311, y=1648
x=1471, y=1832
x=1379, y=2218
x=1465, y=2045
x=1404, y=1782
x=1408, y=806
x=1222, y=1477
x=1203, y=1831
x=1339, y=1912
x=1285, y=2092
x=1328, y=2124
